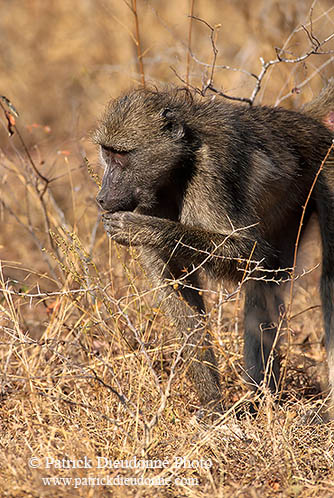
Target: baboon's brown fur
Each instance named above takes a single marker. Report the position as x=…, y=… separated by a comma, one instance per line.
x=205, y=184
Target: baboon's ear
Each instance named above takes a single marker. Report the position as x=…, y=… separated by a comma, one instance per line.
x=167, y=113
x=172, y=124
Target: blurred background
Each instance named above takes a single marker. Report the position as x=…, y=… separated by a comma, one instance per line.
x=62, y=60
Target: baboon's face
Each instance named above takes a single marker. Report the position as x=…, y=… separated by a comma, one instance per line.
x=141, y=149
x=116, y=193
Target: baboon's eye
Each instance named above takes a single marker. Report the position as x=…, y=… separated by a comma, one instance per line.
x=119, y=157
x=111, y=150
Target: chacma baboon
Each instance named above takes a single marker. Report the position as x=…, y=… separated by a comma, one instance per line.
x=203, y=184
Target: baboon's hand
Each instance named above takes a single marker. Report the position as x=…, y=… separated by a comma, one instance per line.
x=129, y=228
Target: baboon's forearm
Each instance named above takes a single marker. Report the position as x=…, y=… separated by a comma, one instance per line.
x=197, y=245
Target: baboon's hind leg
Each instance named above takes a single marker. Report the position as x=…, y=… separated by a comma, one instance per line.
x=184, y=304
x=263, y=313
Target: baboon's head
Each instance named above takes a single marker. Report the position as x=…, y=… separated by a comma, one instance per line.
x=145, y=147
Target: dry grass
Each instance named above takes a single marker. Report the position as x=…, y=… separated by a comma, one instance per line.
x=89, y=366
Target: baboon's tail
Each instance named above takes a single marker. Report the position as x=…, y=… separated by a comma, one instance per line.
x=322, y=107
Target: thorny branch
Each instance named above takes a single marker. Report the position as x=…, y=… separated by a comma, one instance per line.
x=133, y=8
x=90, y=373
x=191, y=16
x=10, y=115
x=208, y=84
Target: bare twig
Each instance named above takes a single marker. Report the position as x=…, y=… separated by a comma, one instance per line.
x=279, y=100
x=208, y=84
x=315, y=49
x=189, y=40
x=10, y=116
x=137, y=42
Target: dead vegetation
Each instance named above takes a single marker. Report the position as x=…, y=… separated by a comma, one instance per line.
x=90, y=367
